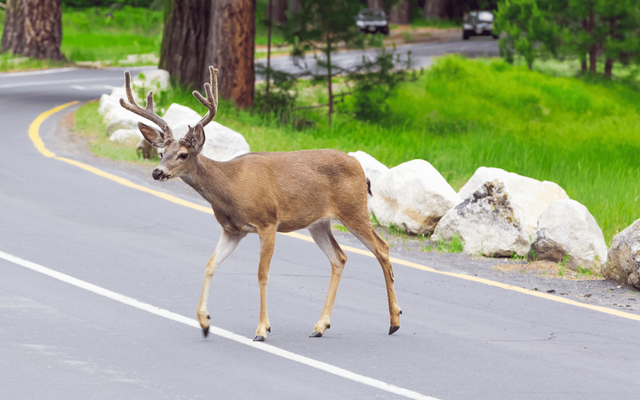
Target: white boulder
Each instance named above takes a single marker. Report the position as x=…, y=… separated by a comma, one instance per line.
x=126, y=135
x=373, y=169
x=413, y=196
x=623, y=262
x=178, y=114
x=528, y=196
x=124, y=118
x=157, y=79
x=567, y=229
x=486, y=222
x=222, y=143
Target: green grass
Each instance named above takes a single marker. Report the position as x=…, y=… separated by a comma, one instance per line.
x=463, y=114
x=435, y=23
x=89, y=124
x=87, y=35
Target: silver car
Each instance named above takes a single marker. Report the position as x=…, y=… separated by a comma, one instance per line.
x=477, y=23
x=372, y=21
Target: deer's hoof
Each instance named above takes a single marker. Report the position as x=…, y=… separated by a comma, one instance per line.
x=316, y=334
x=205, y=331
x=258, y=338
x=393, y=329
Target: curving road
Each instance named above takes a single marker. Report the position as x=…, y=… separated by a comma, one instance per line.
x=131, y=334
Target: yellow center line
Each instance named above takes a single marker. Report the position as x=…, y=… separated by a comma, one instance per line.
x=39, y=144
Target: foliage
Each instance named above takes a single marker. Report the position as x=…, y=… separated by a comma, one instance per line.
x=373, y=82
x=282, y=94
x=570, y=28
x=525, y=25
x=329, y=22
x=116, y=4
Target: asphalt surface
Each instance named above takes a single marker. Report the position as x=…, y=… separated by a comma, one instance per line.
x=422, y=55
x=459, y=339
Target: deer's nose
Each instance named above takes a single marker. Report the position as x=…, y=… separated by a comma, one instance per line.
x=157, y=174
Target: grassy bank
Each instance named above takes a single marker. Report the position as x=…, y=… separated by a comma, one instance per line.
x=104, y=34
x=465, y=114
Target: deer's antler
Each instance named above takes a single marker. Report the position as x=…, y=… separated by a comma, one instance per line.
x=211, y=102
x=147, y=112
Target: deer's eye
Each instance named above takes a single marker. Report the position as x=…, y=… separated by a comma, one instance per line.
x=160, y=154
x=183, y=156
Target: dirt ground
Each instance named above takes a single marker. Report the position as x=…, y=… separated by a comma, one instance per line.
x=541, y=276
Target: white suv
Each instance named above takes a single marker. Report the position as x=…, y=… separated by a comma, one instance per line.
x=372, y=21
x=477, y=23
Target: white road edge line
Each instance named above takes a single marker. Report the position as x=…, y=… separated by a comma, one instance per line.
x=217, y=331
x=60, y=82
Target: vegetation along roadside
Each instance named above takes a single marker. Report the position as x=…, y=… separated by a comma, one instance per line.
x=463, y=114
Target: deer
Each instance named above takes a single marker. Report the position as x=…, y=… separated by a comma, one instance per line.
x=265, y=193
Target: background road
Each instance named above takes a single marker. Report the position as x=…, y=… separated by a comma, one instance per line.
x=458, y=340
x=421, y=55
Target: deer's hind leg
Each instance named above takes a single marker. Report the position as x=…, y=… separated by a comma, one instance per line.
x=360, y=226
x=321, y=234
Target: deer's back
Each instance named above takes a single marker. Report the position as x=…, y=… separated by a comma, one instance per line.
x=302, y=186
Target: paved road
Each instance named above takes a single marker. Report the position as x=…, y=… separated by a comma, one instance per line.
x=421, y=55
x=459, y=339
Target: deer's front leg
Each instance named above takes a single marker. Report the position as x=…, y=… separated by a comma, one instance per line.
x=267, y=243
x=225, y=247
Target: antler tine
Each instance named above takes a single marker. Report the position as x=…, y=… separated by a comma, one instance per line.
x=147, y=112
x=211, y=102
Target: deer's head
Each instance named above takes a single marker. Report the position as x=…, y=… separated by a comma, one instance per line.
x=178, y=156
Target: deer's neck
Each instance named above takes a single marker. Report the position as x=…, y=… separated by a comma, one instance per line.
x=213, y=182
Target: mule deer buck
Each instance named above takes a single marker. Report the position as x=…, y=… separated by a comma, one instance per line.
x=265, y=193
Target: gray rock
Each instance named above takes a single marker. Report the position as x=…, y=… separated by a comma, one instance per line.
x=623, y=262
x=487, y=223
x=528, y=196
x=567, y=229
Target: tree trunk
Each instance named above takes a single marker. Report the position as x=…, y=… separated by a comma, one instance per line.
x=583, y=65
x=400, y=13
x=593, y=47
x=608, y=68
x=279, y=11
x=434, y=8
x=270, y=18
x=375, y=4
x=185, y=40
x=33, y=28
x=608, y=65
x=231, y=48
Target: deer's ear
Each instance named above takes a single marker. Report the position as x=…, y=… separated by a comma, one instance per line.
x=194, y=139
x=153, y=136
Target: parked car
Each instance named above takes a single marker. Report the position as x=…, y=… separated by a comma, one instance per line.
x=477, y=23
x=372, y=20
